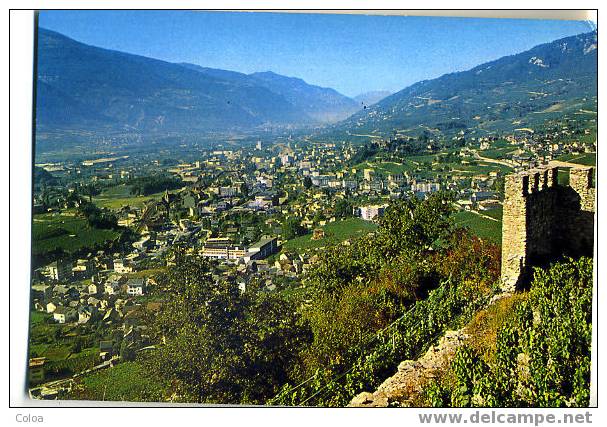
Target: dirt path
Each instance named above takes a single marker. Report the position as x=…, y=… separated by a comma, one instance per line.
x=489, y=160
x=486, y=216
x=562, y=164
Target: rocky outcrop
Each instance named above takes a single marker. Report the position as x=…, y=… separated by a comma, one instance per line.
x=404, y=386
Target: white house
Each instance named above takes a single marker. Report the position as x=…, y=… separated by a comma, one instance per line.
x=368, y=213
x=135, y=287
x=64, y=315
x=93, y=289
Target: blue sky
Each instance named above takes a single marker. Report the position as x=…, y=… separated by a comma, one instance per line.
x=350, y=53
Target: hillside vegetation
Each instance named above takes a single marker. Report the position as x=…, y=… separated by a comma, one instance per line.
x=360, y=311
x=533, y=349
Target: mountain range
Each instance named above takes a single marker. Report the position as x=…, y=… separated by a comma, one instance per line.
x=82, y=87
x=511, y=92
x=321, y=105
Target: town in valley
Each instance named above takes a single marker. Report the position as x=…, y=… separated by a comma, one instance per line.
x=202, y=235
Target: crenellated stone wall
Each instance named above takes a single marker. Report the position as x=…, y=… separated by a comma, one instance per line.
x=543, y=220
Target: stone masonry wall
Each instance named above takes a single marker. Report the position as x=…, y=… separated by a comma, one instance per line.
x=543, y=220
x=580, y=227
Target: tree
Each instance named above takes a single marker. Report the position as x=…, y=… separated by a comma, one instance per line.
x=318, y=217
x=307, y=182
x=360, y=288
x=415, y=226
x=343, y=208
x=498, y=186
x=90, y=190
x=98, y=218
x=144, y=186
x=244, y=189
x=220, y=345
x=127, y=353
x=277, y=336
x=43, y=179
x=77, y=345
x=292, y=228
x=45, y=195
x=201, y=328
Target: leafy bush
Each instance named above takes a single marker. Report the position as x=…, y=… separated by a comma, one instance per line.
x=98, y=218
x=365, y=366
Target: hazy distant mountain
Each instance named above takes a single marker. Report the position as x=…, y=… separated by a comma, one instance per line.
x=369, y=98
x=511, y=92
x=322, y=104
x=82, y=87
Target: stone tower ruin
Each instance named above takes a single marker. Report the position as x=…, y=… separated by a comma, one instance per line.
x=543, y=220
